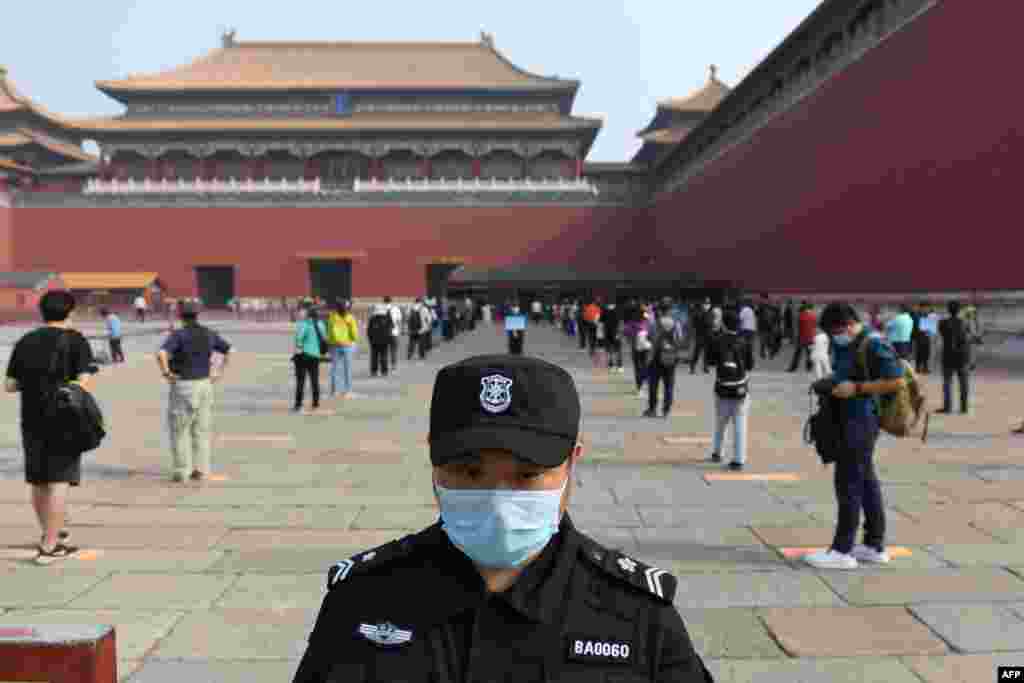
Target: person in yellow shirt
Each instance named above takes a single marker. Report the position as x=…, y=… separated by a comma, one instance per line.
x=342, y=339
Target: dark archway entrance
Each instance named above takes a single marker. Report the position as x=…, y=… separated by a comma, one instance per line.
x=216, y=285
x=330, y=279
x=437, y=278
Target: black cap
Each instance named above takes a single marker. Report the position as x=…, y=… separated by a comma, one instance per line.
x=515, y=403
x=188, y=308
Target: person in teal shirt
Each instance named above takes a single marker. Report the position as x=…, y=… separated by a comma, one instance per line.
x=309, y=331
x=899, y=332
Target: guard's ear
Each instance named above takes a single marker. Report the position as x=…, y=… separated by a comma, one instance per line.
x=576, y=453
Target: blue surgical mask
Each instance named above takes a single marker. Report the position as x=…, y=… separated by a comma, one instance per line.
x=500, y=528
x=841, y=340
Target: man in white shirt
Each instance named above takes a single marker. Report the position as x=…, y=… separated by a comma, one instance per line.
x=140, y=308
x=537, y=309
x=396, y=331
x=748, y=331
x=820, y=358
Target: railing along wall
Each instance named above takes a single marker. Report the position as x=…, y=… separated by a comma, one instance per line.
x=180, y=186
x=96, y=186
x=476, y=185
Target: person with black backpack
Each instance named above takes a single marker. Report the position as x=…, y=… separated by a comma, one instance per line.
x=41, y=363
x=956, y=358
x=666, y=353
x=418, y=321
x=729, y=355
x=378, y=331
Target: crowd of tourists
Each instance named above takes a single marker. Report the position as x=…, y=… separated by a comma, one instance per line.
x=332, y=335
x=659, y=336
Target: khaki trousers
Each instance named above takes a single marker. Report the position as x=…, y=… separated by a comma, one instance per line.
x=190, y=417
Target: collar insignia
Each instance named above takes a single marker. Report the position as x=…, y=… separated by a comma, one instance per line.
x=627, y=564
x=654, y=585
x=338, y=572
x=385, y=634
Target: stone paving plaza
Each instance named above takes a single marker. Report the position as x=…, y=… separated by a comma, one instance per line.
x=221, y=582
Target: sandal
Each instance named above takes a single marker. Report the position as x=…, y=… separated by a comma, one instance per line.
x=59, y=552
x=1018, y=430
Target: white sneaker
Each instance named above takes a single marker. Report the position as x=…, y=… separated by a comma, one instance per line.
x=830, y=559
x=865, y=553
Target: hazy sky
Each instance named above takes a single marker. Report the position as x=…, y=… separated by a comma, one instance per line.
x=628, y=55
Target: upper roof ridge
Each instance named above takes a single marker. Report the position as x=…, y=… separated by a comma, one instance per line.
x=340, y=65
x=353, y=43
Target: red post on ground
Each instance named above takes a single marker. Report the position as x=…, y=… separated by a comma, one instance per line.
x=60, y=654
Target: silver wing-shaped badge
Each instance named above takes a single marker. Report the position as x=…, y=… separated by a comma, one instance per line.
x=385, y=634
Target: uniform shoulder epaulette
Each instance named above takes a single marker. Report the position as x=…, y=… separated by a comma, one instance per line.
x=367, y=562
x=656, y=582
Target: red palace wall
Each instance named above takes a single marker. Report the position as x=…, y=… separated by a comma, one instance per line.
x=903, y=173
x=264, y=244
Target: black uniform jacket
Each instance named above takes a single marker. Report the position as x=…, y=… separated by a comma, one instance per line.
x=417, y=610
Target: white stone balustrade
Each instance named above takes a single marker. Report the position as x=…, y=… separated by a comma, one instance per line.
x=476, y=185
x=181, y=186
x=96, y=186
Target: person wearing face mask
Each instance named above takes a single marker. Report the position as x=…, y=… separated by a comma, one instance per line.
x=503, y=587
x=856, y=481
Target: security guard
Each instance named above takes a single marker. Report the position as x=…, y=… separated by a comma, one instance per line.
x=503, y=587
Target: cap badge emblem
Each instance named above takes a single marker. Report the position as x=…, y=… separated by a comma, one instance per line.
x=495, y=393
x=385, y=634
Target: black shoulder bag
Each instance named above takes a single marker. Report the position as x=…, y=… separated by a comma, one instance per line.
x=320, y=338
x=823, y=428
x=75, y=419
